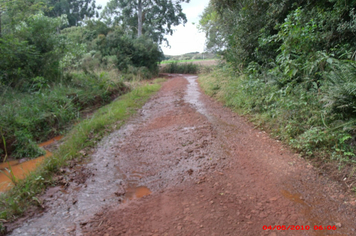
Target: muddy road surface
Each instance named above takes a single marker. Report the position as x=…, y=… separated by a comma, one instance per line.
x=186, y=165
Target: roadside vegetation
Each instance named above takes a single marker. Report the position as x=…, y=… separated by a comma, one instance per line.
x=28, y=118
x=192, y=56
x=184, y=61
x=76, y=144
x=290, y=66
x=60, y=60
x=85, y=66
x=180, y=68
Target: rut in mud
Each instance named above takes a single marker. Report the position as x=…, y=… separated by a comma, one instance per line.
x=185, y=165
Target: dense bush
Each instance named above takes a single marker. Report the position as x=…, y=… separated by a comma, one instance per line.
x=136, y=52
x=292, y=114
x=107, y=48
x=298, y=63
x=47, y=77
x=33, y=50
x=52, y=58
x=180, y=68
x=28, y=118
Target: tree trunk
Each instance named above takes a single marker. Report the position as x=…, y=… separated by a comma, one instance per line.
x=0, y=23
x=139, y=28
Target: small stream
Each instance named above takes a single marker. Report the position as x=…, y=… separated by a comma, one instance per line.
x=20, y=169
x=72, y=207
x=193, y=94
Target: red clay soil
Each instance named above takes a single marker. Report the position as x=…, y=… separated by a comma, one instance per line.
x=244, y=179
x=193, y=167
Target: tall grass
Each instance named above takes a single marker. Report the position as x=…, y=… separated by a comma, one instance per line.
x=83, y=135
x=180, y=68
x=293, y=114
x=30, y=117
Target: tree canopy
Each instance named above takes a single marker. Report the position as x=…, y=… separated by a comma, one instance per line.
x=210, y=24
x=298, y=63
x=154, y=18
x=75, y=10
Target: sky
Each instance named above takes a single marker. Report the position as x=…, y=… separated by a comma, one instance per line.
x=185, y=38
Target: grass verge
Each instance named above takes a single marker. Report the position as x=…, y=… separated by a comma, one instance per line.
x=29, y=117
x=296, y=116
x=84, y=135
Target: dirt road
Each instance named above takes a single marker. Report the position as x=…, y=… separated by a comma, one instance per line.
x=185, y=165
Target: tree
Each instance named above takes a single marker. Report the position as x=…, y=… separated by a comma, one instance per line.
x=76, y=10
x=153, y=18
x=12, y=12
x=2, y=7
x=34, y=50
x=216, y=34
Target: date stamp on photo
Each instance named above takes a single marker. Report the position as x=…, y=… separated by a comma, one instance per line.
x=299, y=227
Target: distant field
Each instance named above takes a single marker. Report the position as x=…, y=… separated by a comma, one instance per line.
x=198, y=61
x=183, y=61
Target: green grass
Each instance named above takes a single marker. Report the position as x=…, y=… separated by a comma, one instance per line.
x=180, y=68
x=293, y=115
x=184, y=61
x=42, y=113
x=84, y=135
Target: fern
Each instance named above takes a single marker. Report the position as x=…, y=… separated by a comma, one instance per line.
x=340, y=89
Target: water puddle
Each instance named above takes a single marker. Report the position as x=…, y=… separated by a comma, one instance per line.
x=15, y=170
x=127, y=165
x=134, y=188
x=44, y=144
x=293, y=197
x=108, y=186
x=193, y=95
x=134, y=192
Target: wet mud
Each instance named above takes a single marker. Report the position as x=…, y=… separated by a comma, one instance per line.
x=186, y=165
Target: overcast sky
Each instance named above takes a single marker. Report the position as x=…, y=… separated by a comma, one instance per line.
x=186, y=38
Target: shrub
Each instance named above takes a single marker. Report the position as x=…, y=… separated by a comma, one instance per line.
x=27, y=118
x=302, y=118
x=180, y=68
